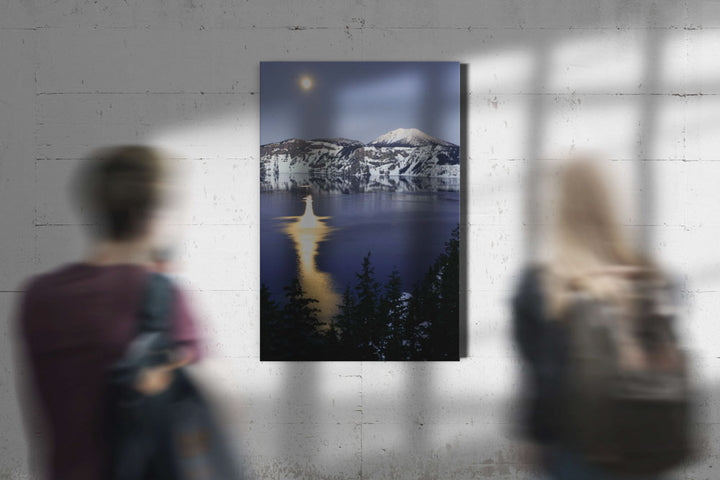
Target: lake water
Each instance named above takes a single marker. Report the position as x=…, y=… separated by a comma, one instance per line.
x=322, y=236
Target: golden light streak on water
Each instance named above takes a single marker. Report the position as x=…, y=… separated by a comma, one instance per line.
x=307, y=232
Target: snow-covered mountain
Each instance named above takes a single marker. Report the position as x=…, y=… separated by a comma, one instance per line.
x=408, y=137
x=328, y=156
x=402, y=152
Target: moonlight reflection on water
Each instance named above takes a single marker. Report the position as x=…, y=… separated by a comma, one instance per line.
x=307, y=231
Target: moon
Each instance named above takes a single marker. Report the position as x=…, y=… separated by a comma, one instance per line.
x=306, y=82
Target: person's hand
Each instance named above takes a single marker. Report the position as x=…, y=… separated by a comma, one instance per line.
x=154, y=380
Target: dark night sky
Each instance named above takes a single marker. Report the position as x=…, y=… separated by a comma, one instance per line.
x=358, y=100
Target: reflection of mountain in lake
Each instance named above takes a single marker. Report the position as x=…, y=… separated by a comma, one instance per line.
x=356, y=184
x=400, y=154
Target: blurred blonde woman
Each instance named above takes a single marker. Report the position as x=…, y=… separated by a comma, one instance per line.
x=588, y=249
x=588, y=253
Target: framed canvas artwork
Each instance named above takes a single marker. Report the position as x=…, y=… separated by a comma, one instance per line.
x=360, y=210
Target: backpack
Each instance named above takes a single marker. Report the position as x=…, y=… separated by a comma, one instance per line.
x=626, y=394
x=173, y=435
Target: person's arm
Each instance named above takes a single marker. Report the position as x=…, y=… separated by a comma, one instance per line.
x=527, y=305
x=532, y=334
x=184, y=333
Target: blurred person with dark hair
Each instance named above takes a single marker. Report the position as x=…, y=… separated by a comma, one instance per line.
x=76, y=321
x=591, y=264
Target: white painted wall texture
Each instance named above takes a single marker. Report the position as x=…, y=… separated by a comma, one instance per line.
x=636, y=80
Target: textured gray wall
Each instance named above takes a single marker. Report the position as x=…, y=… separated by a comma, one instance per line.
x=631, y=79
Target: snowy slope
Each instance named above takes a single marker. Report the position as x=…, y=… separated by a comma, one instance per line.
x=402, y=152
x=408, y=137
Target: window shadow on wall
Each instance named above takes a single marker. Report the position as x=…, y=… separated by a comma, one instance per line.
x=425, y=402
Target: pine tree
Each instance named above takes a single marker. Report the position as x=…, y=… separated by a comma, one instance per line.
x=445, y=332
x=422, y=310
x=349, y=330
x=300, y=324
x=394, y=311
x=434, y=310
x=270, y=318
x=331, y=348
x=367, y=318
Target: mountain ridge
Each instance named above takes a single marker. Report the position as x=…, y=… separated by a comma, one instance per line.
x=401, y=152
x=406, y=136
x=413, y=137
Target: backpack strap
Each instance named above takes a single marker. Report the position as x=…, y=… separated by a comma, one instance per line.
x=156, y=307
x=152, y=344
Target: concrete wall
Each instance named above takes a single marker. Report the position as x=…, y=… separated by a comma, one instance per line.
x=636, y=80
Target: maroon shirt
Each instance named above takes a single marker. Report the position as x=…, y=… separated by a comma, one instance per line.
x=75, y=322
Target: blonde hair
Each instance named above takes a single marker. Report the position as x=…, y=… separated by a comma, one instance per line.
x=591, y=254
